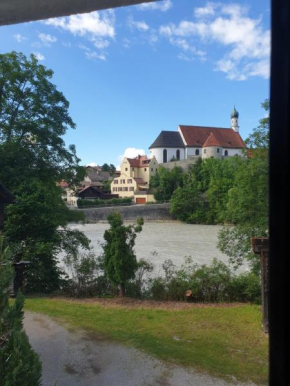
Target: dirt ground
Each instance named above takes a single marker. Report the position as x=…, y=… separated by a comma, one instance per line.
x=71, y=357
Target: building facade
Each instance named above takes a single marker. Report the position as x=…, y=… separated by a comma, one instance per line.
x=134, y=178
x=191, y=142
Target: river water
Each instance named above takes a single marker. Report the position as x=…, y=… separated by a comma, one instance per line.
x=159, y=241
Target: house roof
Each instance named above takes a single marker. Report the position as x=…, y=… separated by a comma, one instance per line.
x=141, y=161
x=168, y=139
x=196, y=136
x=211, y=141
x=95, y=175
x=140, y=181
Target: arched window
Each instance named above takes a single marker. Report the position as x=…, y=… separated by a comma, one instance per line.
x=196, y=152
x=178, y=155
x=164, y=155
x=226, y=153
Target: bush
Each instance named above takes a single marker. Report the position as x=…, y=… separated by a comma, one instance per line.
x=84, y=203
x=19, y=364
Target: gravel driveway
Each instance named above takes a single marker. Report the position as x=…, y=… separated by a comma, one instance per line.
x=72, y=357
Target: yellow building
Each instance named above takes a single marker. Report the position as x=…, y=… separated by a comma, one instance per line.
x=134, y=179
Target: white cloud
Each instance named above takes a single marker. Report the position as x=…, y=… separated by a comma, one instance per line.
x=39, y=56
x=163, y=6
x=92, y=164
x=246, y=42
x=87, y=24
x=139, y=25
x=131, y=152
x=95, y=27
x=47, y=39
x=19, y=38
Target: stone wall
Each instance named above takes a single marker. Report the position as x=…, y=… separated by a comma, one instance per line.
x=148, y=212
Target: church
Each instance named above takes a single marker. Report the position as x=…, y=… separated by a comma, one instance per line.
x=192, y=142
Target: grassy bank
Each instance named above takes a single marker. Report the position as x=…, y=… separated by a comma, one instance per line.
x=223, y=340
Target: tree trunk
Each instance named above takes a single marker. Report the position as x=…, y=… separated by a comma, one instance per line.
x=122, y=290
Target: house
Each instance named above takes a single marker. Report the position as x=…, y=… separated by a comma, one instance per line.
x=192, y=142
x=95, y=176
x=134, y=179
x=93, y=192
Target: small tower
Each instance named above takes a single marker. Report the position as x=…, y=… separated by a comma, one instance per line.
x=235, y=120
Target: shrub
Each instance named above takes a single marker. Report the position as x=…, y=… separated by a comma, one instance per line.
x=19, y=364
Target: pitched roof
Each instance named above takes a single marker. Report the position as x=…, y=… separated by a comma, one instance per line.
x=168, y=139
x=196, y=136
x=141, y=161
x=140, y=181
x=211, y=141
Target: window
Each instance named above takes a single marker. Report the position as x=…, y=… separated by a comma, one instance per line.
x=178, y=155
x=116, y=181
x=204, y=151
x=164, y=155
x=132, y=169
x=196, y=152
x=145, y=170
x=119, y=189
x=226, y=153
x=151, y=169
x=131, y=189
x=129, y=181
x=125, y=189
x=126, y=169
x=218, y=150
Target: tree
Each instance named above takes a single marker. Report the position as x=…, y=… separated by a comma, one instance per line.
x=109, y=168
x=36, y=231
x=33, y=118
x=259, y=138
x=120, y=263
x=247, y=206
x=165, y=181
x=19, y=364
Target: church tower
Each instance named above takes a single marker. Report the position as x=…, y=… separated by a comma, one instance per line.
x=235, y=120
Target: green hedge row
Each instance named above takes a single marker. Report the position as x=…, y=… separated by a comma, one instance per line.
x=84, y=203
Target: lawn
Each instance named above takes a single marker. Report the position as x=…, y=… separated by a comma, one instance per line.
x=222, y=340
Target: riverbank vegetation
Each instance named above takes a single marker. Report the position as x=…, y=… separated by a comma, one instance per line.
x=232, y=191
x=222, y=340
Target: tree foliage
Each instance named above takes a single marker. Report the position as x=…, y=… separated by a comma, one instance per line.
x=34, y=116
x=120, y=263
x=165, y=181
x=19, y=364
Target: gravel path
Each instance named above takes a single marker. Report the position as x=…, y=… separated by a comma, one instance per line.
x=72, y=357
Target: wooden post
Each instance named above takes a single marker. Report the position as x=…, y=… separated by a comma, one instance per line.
x=260, y=247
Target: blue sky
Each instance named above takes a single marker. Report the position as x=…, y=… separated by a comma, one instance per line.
x=131, y=72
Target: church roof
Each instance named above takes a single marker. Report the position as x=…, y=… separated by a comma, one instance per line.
x=196, y=136
x=168, y=139
x=211, y=141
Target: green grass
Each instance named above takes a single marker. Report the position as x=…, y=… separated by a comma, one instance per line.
x=222, y=341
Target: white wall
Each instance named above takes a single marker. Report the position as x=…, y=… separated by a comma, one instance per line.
x=171, y=152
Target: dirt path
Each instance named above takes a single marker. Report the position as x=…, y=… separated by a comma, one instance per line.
x=72, y=357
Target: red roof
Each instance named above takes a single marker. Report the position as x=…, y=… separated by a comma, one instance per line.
x=139, y=162
x=196, y=136
x=140, y=181
x=211, y=141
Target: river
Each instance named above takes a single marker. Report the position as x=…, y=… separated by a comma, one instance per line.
x=159, y=241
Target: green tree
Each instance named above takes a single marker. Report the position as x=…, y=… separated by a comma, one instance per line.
x=259, y=138
x=247, y=205
x=120, y=263
x=165, y=181
x=109, y=168
x=37, y=231
x=33, y=118
x=19, y=364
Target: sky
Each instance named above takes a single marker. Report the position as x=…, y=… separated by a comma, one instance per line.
x=131, y=72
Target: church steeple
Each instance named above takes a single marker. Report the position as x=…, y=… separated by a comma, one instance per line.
x=235, y=120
